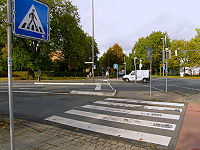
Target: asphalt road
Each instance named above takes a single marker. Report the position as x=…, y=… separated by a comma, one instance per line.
x=143, y=121
x=176, y=85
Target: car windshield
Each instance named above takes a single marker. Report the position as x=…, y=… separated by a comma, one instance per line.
x=133, y=73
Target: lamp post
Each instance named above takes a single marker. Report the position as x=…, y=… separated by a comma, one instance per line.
x=93, y=39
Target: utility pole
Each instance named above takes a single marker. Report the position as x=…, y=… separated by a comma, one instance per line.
x=93, y=39
x=9, y=38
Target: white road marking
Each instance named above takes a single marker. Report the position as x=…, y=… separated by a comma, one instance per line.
x=98, y=87
x=144, y=106
x=129, y=134
x=26, y=88
x=131, y=121
x=42, y=83
x=31, y=92
x=145, y=102
x=140, y=113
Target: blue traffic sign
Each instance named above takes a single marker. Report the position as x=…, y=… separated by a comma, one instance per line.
x=148, y=53
x=95, y=67
x=101, y=68
x=31, y=19
x=115, y=66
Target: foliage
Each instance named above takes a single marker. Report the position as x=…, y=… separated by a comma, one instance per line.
x=67, y=36
x=156, y=43
x=3, y=34
x=114, y=55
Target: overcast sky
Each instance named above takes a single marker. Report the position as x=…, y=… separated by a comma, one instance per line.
x=125, y=21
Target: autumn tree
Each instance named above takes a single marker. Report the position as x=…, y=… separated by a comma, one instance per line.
x=114, y=55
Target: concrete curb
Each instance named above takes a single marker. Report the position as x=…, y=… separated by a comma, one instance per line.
x=94, y=93
x=45, y=83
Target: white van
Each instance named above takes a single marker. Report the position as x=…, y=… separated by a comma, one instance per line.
x=137, y=75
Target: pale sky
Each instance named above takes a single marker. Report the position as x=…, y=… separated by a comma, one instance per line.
x=125, y=21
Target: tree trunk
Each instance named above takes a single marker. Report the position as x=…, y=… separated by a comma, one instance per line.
x=31, y=74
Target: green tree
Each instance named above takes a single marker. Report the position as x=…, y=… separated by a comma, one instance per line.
x=114, y=55
x=3, y=34
x=67, y=35
x=156, y=43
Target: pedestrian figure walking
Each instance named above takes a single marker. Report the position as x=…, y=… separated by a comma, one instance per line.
x=33, y=17
x=90, y=75
x=107, y=74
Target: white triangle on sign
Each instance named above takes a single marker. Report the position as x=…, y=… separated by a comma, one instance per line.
x=31, y=22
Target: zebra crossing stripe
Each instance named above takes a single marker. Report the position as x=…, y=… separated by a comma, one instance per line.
x=129, y=134
x=144, y=106
x=131, y=121
x=132, y=112
x=145, y=102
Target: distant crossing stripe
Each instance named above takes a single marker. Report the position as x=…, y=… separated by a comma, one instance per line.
x=140, y=113
x=145, y=102
x=131, y=121
x=144, y=106
x=129, y=134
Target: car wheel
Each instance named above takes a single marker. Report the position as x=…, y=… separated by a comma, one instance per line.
x=127, y=80
x=144, y=80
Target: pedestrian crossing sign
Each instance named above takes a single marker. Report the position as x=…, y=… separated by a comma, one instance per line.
x=31, y=19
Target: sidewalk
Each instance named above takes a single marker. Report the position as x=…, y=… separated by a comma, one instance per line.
x=37, y=136
x=189, y=138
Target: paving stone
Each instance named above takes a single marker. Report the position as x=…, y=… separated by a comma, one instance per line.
x=120, y=144
x=121, y=148
x=142, y=149
x=114, y=146
x=99, y=147
x=134, y=148
x=128, y=146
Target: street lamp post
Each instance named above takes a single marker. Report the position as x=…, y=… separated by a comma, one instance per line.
x=93, y=39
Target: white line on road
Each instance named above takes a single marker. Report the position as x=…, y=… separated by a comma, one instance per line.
x=98, y=87
x=143, y=106
x=134, y=135
x=145, y=102
x=31, y=92
x=38, y=83
x=132, y=112
x=131, y=121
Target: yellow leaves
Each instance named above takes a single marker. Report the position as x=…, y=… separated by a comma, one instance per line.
x=153, y=146
x=141, y=139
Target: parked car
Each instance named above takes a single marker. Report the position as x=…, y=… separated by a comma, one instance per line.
x=121, y=73
x=137, y=75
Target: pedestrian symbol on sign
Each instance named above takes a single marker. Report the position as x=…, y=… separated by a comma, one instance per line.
x=31, y=22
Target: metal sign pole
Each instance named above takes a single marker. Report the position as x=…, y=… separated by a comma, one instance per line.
x=93, y=39
x=167, y=54
x=9, y=36
x=117, y=71
x=150, y=74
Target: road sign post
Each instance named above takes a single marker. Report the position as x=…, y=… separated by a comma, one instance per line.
x=149, y=58
x=10, y=92
x=31, y=19
x=116, y=67
x=167, y=55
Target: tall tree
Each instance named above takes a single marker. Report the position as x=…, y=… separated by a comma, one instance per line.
x=156, y=43
x=3, y=35
x=114, y=55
